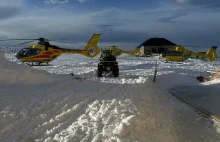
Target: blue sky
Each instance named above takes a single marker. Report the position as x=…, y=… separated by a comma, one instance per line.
x=125, y=23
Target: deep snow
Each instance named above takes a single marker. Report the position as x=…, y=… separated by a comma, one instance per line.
x=84, y=108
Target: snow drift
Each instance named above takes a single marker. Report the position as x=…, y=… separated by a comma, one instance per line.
x=22, y=74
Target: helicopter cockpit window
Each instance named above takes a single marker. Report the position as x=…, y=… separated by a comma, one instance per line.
x=29, y=52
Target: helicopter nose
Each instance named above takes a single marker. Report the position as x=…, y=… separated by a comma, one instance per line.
x=18, y=55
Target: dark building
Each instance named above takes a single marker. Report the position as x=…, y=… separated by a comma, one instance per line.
x=156, y=45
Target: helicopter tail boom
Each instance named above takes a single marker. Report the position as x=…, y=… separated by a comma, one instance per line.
x=211, y=54
x=91, y=49
x=136, y=52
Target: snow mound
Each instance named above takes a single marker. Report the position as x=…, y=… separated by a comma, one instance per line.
x=108, y=120
x=12, y=73
x=215, y=81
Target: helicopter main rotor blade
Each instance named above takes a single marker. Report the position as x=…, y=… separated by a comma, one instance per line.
x=190, y=46
x=61, y=41
x=39, y=39
x=25, y=42
x=17, y=39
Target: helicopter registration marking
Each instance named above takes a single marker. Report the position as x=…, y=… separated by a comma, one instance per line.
x=40, y=56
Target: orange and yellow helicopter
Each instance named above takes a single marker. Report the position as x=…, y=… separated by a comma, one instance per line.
x=181, y=54
x=44, y=52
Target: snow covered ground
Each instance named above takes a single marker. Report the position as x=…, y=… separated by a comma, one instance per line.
x=39, y=106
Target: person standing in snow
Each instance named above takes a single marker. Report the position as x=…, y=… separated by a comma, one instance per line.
x=109, y=57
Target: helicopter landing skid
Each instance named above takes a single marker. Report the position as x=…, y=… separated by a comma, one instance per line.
x=37, y=64
x=178, y=62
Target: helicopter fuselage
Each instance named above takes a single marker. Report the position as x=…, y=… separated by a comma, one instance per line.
x=176, y=55
x=38, y=53
x=181, y=54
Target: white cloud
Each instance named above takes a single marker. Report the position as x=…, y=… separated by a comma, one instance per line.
x=10, y=8
x=55, y=1
x=196, y=3
x=181, y=1
x=83, y=1
x=12, y=2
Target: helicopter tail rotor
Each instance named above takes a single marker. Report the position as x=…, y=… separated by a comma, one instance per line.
x=91, y=49
x=211, y=53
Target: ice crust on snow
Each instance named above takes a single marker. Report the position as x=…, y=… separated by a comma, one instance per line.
x=130, y=108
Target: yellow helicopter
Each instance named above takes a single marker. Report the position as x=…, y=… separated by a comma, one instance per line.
x=181, y=54
x=44, y=52
x=117, y=52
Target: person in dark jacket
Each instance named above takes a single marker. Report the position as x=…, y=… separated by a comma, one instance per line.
x=109, y=57
x=202, y=79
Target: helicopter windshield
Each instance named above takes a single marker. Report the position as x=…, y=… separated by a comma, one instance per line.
x=25, y=52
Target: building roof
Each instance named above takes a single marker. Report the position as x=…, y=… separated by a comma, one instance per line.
x=158, y=42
